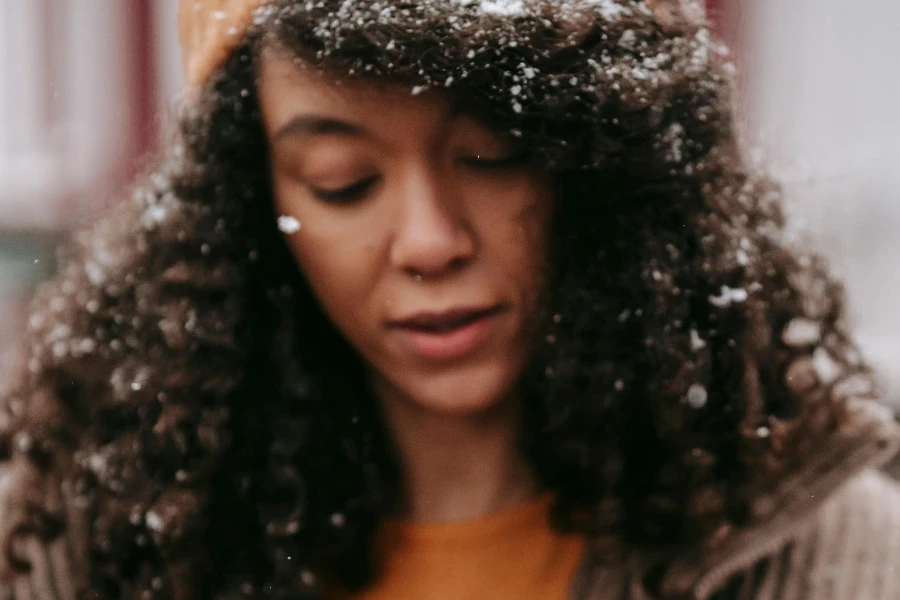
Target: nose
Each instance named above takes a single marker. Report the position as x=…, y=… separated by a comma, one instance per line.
x=432, y=235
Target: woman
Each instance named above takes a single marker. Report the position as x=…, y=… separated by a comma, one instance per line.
x=447, y=300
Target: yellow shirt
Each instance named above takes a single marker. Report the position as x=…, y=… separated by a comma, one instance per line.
x=514, y=554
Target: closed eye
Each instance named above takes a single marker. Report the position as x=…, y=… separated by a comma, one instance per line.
x=344, y=195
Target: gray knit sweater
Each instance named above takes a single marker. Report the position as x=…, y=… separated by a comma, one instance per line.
x=831, y=532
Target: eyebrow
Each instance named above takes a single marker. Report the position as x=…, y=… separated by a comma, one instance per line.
x=312, y=125
x=315, y=125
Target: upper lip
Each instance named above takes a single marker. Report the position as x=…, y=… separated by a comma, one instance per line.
x=444, y=318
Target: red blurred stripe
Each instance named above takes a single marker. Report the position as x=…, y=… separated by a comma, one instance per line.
x=143, y=79
x=715, y=10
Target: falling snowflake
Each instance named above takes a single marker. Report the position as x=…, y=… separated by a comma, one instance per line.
x=288, y=224
x=827, y=369
x=728, y=296
x=609, y=9
x=95, y=273
x=696, y=396
x=154, y=522
x=697, y=343
x=502, y=7
x=154, y=215
x=628, y=39
x=801, y=332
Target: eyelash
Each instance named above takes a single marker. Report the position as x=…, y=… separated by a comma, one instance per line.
x=355, y=191
x=347, y=194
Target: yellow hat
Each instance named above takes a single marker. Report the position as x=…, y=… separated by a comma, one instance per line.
x=209, y=31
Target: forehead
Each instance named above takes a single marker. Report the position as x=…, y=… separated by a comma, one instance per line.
x=289, y=86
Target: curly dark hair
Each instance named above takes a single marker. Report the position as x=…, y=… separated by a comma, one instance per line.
x=213, y=432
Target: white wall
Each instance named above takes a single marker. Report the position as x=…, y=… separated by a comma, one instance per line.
x=65, y=115
x=168, y=55
x=824, y=89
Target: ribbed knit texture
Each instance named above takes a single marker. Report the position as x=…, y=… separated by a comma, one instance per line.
x=848, y=550
x=850, y=553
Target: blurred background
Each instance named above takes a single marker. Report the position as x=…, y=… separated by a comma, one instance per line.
x=85, y=84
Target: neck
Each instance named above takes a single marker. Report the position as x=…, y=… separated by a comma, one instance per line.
x=458, y=467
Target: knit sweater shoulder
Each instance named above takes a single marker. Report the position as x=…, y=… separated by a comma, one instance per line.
x=833, y=533
x=851, y=550
x=848, y=550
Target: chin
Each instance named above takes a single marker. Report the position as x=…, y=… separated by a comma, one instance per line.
x=462, y=393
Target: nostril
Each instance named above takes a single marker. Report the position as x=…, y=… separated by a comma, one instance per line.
x=420, y=272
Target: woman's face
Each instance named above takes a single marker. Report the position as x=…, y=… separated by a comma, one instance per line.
x=422, y=233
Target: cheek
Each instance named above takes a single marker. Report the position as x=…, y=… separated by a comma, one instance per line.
x=336, y=254
x=533, y=229
x=516, y=234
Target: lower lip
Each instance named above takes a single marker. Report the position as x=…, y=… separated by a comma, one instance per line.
x=452, y=344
